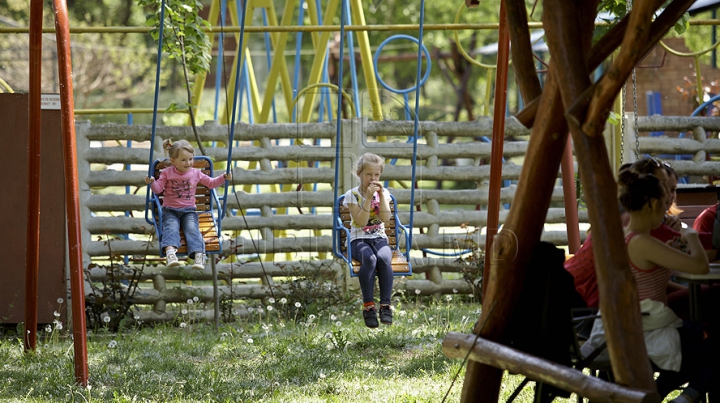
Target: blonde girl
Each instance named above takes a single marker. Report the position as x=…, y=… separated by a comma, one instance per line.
x=178, y=183
x=370, y=210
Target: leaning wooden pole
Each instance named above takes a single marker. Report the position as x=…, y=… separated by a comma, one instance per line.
x=72, y=196
x=520, y=234
x=619, y=293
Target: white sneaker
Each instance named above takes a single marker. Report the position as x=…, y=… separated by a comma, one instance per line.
x=199, y=261
x=171, y=259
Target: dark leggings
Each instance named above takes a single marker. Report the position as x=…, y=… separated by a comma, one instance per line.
x=374, y=254
x=698, y=362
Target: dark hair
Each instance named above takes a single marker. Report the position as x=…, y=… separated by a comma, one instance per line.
x=635, y=189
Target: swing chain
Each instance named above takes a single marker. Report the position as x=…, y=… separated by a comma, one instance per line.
x=635, y=116
x=622, y=123
x=628, y=9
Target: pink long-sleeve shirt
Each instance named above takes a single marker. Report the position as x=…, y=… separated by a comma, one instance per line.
x=179, y=187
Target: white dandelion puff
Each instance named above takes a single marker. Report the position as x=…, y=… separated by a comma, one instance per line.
x=298, y=305
x=250, y=341
x=271, y=300
x=283, y=300
x=189, y=301
x=196, y=299
x=338, y=323
x=106, y=319
x=60, y=300
x=56, y=314
x=448, y=298
x=269, y=308
x=184, y=312
x=183, y=324
x=112, y=344
x=417, y=291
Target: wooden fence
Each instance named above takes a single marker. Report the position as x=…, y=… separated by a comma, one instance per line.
x=284, y=176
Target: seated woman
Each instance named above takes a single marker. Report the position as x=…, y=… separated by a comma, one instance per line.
x=582, y=264
x=645, y=198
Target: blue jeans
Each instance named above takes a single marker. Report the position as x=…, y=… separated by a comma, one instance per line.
x=187, y=219
x=374, y=254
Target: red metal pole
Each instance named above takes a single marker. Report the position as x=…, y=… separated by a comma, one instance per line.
x=498, y=138
x=72, y=200
x=570, y=196
x=32, y=256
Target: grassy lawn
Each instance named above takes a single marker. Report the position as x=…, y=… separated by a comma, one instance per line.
x=279, y=354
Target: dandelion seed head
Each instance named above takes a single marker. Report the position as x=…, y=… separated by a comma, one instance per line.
x=417, y=291
x=106, y=319
x=269, y=308
x=333, y=317
x=409, y=320
x=455, y=291
x=271, y=300
x=283, y=300
x=322, y=375
x=298, y=304
x=183, y=325
x=56, y=314
x=190, y=301
x=311, y=317
x=60, y=300
x=251, y=309
x=265, y=327
x=338, y=323
x=250, y=341
x=224, y=334
x=260, y=310
x=136, y=317
x=48, y=328
x=112, y=344
x=184, y=312
x=282, y=324
x=448, y=298
x=59, y=326
x=196, y=299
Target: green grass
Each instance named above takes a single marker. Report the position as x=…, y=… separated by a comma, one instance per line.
x=274, y=357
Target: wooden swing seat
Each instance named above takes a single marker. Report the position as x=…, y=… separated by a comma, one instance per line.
x=400, y=264
x=204, y=199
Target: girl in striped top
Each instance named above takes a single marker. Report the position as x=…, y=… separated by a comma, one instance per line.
x=645, y=198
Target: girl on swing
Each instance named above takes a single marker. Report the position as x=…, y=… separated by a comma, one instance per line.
x=178, y=182
x=369, y=206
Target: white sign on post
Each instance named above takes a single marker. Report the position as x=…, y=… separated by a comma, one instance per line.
x=50, y=101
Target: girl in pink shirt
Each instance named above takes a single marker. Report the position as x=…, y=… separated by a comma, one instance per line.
x=178, y=183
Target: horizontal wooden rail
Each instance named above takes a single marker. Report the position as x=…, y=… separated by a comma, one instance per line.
x=458, y=345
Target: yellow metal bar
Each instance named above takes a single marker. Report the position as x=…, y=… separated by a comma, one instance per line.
x=316, y=71
x=120, y=111
x=200, y=78
x=312, y=13
x=278, y=67
x=306, y=28
x=366, y=60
